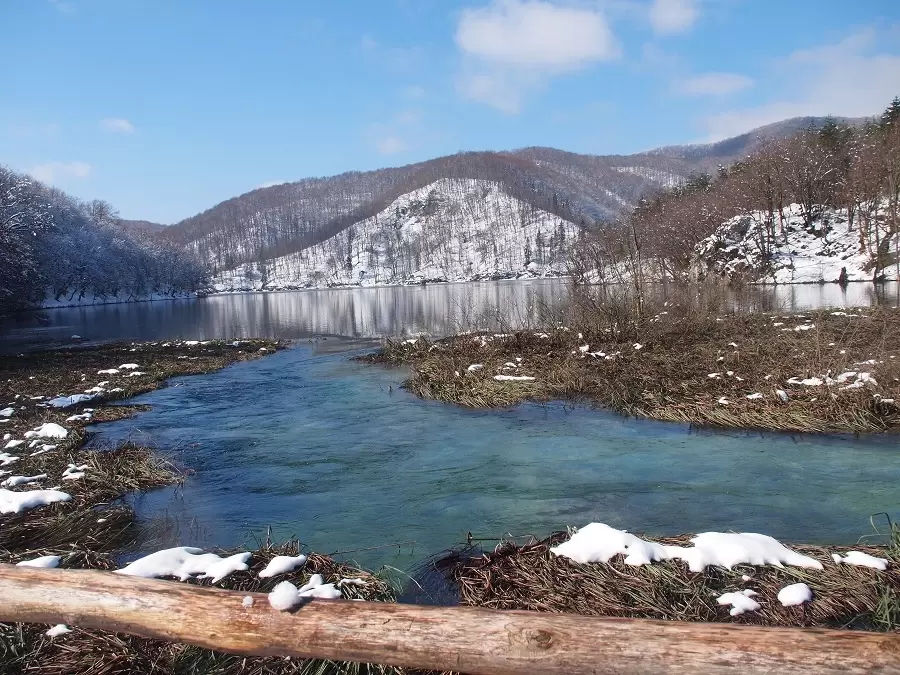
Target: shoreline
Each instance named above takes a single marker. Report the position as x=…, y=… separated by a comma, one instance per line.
x=823, y=371
x=94, y=527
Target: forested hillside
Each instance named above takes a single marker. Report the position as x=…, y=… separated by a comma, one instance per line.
x=57, y=250
x=451, y=230
x=587, y=191
x=820, y=205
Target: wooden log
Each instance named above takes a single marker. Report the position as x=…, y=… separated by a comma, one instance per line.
x=465, y=639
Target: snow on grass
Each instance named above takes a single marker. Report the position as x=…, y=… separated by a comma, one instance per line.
x=247, y=601
x=57, y=630
x=48, y=430
x=129, y=366
x=12, y=444
x=7, y=412
x=74, y=472
x=16, y=502
x=861, y=559
x=756, y=396
x=13, y=481
x=740, y=601
x=598, y=542
x=795, y=594
x=184, y=562
x=108, y=371
x=727, y=549
x=68, y=401
x=475, y=367
x=281, y=564
x=46, y=561
x=7, y=459
x=513, y=378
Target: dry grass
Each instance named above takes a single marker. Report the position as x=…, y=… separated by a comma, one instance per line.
x=530, y=577
x=668, y=377
x=25, y=649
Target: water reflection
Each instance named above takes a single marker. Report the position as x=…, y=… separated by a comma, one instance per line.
x=436, y=309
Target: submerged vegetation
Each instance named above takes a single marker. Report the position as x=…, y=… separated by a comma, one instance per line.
x=823, y=371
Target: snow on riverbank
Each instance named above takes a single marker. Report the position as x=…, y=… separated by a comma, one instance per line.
x=799, y=253
x=450, y=230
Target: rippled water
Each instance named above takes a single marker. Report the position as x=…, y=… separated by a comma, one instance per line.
x=317, y=446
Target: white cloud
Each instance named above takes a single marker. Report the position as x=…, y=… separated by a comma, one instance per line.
x=117, y=125
x=849, y=79
x=532, y=33
x=52, y=172
x=714, y=84
x=513, y=47
x=672, y=16
x=390, y=145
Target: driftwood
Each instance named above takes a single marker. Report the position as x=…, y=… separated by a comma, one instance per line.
x=465, y=639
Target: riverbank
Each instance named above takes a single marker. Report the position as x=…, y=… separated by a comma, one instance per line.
x=824, y=371
x=608, y=572
x=62, y=504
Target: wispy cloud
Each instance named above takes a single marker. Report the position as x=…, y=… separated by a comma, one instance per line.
x=673, y=16
x=117, y=125
x=512, y=47
x=53, y=172
x=390, y=145
x=713, y=84
x=270, y=183
x=851, y=78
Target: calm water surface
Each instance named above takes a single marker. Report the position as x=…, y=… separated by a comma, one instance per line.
x=317, y=446
x=437, y=309
x=332, y=451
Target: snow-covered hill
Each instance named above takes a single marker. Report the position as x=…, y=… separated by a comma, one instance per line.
x=797, y=253
x=449, y=230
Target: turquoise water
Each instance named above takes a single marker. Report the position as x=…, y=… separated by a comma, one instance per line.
x=332, y=451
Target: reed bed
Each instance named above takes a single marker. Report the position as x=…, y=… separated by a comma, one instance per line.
x=531, y=577
x=679, y=367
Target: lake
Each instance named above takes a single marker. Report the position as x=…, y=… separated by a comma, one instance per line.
x=315, y=445
x=436, y=309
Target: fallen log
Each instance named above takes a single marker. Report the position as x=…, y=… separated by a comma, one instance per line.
x=465, y=639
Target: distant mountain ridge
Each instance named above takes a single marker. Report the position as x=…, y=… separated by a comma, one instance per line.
x=271, y=223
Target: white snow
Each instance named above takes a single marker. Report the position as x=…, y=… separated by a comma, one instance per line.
x=16, y=502
x=58, y=629
x=281, y=564
x=68, y=401
x=184, y=562
x=12, y=444
x=795, y=594
x=129, y=366
x=6, y=459
x=49, y=430
x=861, y=559
x=598, y=542
x=756, y=396
x=47, y=561
x=740, y=601
x=474, y=367
x=74, y=472
x=803, y=255
x=13, y=481
x=727, y=549
x=6, y=412
x=284, y=596
x=108, y=371
x=247, y=601
x=513, y=378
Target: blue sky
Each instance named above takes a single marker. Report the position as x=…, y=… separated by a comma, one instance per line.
x=165, y=108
